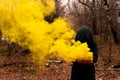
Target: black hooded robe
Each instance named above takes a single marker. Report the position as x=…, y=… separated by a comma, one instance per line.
x=85, y=71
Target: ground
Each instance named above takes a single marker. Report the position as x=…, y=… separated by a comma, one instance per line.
x=16, y=64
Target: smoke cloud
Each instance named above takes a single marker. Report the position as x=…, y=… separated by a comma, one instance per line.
x=22, y=22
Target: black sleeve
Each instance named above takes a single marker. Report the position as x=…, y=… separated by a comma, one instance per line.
x=95, y=53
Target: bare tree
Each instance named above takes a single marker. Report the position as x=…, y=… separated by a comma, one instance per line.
x=100, y=15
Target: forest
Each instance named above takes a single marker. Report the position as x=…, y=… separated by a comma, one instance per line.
x=34, y=35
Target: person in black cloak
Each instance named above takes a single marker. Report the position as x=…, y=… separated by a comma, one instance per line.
x=82, y=70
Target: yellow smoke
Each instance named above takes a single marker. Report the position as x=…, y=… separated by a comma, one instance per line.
x=22, y=22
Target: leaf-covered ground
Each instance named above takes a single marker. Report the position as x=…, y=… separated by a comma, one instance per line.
x=16, y=64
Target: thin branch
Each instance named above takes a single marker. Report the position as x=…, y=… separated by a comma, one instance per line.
x=69, y=6
x=90, y=7
x=59, y=11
